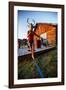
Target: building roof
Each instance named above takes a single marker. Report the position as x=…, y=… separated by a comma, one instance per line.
x=50, y=24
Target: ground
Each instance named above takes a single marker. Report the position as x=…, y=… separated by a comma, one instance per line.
x=44, y=66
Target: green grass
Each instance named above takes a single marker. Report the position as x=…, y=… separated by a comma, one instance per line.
x=46, y=61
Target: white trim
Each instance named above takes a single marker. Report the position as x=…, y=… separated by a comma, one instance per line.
x=45, y=80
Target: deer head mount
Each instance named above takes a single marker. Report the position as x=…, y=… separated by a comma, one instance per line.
x=31, y=24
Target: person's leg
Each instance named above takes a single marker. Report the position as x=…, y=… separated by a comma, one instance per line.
x=32, y=51
x=29, y=48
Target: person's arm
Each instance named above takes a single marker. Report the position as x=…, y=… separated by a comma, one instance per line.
x=28, y=33
x=36, y=35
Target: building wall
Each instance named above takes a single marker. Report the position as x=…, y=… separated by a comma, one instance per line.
x=50, y=29
x=51, y=36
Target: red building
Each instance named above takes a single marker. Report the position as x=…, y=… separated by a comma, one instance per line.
x=46, y=31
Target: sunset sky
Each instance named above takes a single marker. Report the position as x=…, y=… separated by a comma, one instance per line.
x=38, y=16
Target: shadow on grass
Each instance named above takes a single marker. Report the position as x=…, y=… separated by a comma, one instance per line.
x=47, y=63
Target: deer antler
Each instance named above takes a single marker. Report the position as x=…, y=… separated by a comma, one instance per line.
x=28, y=20
x=33, y=22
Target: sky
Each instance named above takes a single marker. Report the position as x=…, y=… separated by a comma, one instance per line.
x=38, y=16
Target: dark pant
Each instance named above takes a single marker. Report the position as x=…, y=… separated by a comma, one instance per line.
x=31, y=43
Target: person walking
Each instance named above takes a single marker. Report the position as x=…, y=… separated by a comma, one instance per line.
x=30, y=36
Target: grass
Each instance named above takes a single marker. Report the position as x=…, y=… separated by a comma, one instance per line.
x=46, y=61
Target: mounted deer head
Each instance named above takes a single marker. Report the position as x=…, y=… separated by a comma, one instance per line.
x=31, y=25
